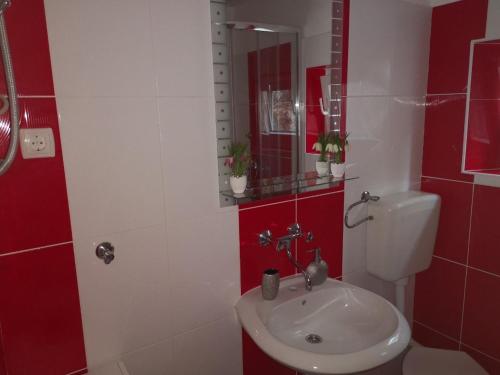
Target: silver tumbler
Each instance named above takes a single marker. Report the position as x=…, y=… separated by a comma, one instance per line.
x=270, y=283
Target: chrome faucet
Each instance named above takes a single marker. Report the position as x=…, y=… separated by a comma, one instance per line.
x=285, y=243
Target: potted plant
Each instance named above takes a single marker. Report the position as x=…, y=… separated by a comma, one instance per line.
x=238, y=161
x=338, y=145
x=321, y=146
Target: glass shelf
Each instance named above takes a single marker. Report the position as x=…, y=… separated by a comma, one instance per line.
x=270, y=187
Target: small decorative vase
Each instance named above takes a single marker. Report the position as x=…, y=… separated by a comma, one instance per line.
x=270, y=284
x=338, y=170
x=322, y=168
x=238, y=184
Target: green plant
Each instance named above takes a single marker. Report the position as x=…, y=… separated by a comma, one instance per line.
x=338, y=144
x=321, y=146
x=239, y=160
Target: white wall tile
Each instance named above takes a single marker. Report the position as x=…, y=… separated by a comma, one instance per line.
x=189, y=153
x=152, y=360
x=493, y=20
x=110, y=369
x=126, y=304
x=204, y=259
x=112, y=164
x=217, y=347
x=182, y=47
x=388, y=42
x=101, y=47
x=388, y=60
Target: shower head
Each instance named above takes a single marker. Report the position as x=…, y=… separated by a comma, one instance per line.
x=4, y=4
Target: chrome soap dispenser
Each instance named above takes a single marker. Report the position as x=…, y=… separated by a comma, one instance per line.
x=317, y=269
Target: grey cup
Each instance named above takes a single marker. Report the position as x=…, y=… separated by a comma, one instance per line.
x=270, y=284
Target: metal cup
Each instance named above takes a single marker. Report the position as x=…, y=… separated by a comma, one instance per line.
x=270, y=283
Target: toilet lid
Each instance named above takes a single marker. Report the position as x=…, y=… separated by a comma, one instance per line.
x=428, y=361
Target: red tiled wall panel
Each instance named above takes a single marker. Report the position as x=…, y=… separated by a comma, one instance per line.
x=321, y=213
x=40, y=312
x=40, y=322
x=456, y=300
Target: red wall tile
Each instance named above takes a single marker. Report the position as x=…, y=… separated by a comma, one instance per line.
x=453, y=27
x=323, y=215
x=30, y=48
x=3, y=370
x=439, y=293
x=40, y=312
x=485, y=235
x=256, y=362
x=34, y=210
x=481, y=325
x=432, y=339
x=443, y=137
x=453, y=230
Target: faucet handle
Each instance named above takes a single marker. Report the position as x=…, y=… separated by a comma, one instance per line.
x=309, y=237
x=294, y=230
x=106, y=252
x=265, y=238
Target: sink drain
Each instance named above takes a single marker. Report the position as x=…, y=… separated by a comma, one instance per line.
x=314, y=339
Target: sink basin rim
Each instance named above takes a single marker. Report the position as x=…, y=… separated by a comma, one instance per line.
x=311, y=362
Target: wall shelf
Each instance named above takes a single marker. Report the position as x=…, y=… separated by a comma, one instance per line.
x=271, y=187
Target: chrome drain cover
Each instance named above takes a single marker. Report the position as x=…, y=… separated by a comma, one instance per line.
x=314, y=339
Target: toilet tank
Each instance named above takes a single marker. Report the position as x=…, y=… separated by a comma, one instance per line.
x=401, y=236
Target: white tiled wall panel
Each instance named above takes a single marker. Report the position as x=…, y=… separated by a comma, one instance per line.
x=385, y=112
x=112, y=163
x=181, y=47
x=139, y=137
x=91, y=53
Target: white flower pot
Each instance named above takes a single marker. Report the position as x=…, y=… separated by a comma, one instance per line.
x=338, y=170
x=238, y=184
x=322, y=168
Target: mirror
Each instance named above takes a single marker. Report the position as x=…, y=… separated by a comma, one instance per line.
x=482, y=130
x=278, y=85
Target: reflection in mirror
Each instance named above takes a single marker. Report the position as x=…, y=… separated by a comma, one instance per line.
x=278, y=86
x=482, y=136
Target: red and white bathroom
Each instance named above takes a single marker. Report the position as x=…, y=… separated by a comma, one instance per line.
x=249, y=187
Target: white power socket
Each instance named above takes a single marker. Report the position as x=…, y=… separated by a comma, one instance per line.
x=37, y=143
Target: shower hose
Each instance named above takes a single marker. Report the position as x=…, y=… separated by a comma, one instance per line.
x=9, y=157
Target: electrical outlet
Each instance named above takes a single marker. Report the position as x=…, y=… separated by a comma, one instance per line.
x=37, y=143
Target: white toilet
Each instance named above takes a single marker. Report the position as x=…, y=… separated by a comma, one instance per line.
x=400, y=243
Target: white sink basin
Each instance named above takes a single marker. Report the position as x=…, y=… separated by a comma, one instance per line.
x=358, y=329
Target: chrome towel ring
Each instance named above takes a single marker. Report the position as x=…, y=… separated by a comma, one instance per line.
x=365, y=198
